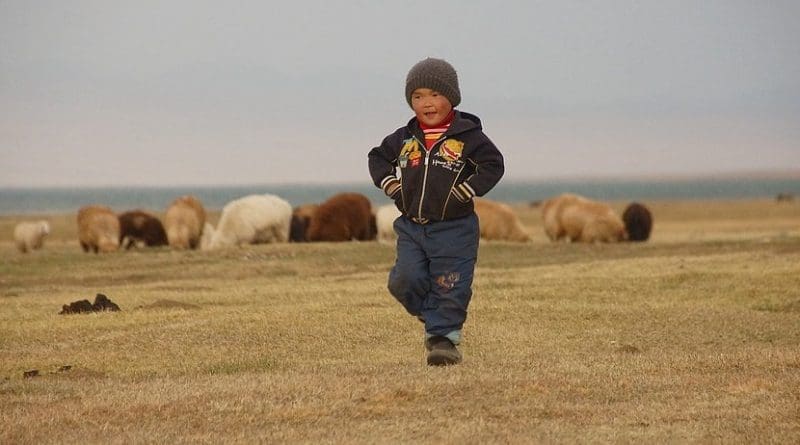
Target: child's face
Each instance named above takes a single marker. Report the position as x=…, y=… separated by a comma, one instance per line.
x=430, y=106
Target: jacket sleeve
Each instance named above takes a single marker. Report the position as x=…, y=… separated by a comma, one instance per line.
x=488, y=163
x=383, y=164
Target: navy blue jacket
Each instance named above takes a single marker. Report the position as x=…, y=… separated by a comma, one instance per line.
x=439, y=184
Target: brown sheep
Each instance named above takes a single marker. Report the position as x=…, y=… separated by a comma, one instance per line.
x=638, y=222
x=551, y=215
x=301, y=218
x=499, y=222
x=98, y=229
x=580, y=219
x=343, y=217
x=184, y=222
x=136, y=225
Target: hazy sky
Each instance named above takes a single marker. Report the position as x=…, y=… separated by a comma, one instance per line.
x=194, y=92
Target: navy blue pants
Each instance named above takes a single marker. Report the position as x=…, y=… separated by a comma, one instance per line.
x=432, y=277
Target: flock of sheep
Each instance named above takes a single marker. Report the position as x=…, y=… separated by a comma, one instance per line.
x=256, y=219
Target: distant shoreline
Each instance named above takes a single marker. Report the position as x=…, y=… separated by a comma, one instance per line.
x=64, y=200
x=676, y=177
x=789, y=174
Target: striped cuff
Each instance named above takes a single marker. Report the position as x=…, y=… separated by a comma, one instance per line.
x=463, y=192
x=390, y=185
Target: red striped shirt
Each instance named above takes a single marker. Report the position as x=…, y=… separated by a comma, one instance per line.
x=432, y=134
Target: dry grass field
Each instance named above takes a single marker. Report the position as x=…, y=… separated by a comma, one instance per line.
x=693, y=336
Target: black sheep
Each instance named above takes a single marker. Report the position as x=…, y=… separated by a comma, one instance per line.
x=136, y=225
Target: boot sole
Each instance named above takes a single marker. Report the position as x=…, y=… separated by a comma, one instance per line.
x=443, y=358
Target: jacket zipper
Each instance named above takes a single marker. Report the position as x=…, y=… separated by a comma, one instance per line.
x=425, y=175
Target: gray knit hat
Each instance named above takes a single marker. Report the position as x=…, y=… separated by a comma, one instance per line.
x=437, y=75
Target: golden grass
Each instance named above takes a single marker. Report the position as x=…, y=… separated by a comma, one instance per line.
x=691, y=337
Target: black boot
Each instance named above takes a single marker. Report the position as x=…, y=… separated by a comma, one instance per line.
x=441, y=351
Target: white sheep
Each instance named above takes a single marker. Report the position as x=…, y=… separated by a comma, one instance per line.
x=384, y=220
x=29, y=235
x=253, y=219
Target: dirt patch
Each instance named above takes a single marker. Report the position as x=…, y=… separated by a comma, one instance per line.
x=182, y=288
x=792, y=306
x=64, y=372
x=101, y=303
x=169, y=304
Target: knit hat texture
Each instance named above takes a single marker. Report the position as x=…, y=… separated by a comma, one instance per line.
x=437, y=75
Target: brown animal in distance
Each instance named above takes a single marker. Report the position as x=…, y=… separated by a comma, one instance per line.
x=98, y=229
x=498, y=221
x=343, y=217
x=184, y=222
x=137, y=225
x=638, y=222
x=301, y=219
x=576, y=218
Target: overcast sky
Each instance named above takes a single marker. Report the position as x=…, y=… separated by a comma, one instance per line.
x=252, y=92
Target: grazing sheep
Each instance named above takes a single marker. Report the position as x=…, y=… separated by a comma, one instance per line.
x=208, y=235
x=638, y=222
x=136, y=225
x=98, y=229
x=29, y=235
x=184, y=222
x=301, y=218
x=253, y=219
x=384, y=220
x=499, y=222
x=551, y=215
x=343, y=217
x=580, y=219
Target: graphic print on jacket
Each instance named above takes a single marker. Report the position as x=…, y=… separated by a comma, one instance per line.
x=410, y=155
x=449, y=156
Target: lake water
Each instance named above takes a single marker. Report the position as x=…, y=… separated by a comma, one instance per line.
x=58, y=200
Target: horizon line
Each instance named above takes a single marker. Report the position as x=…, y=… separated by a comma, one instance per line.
x=765, y=174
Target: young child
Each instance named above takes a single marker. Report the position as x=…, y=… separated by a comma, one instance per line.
x=443, y=160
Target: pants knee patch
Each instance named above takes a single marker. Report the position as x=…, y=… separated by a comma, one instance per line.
x=447, y=281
